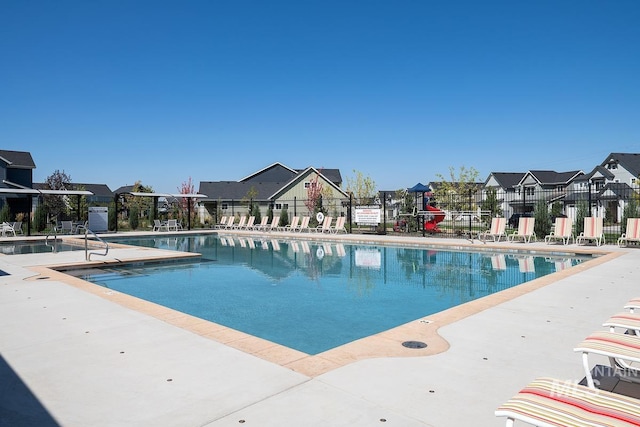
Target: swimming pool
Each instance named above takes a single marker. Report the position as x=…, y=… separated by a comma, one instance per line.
x=22, y=248
x=313, y=296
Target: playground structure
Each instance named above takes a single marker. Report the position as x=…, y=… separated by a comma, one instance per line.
x=432, y=216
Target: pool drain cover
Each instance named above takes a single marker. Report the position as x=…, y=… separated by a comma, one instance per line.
x=414, y=344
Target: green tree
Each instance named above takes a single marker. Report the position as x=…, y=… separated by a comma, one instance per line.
x=284, y=218
x=491, y=204
x=582, y=211
x=542, y=225
x=630, y=211
x=134, y=217
x=453, y=192
x=556, y=209
x=57, y=205
x=40, y=218
x=363, y=188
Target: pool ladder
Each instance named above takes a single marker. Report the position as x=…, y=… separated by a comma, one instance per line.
x=87, y=254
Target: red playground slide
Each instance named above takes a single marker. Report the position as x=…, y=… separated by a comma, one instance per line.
x=435, y=216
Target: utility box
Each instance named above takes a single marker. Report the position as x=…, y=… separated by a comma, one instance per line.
x=98, y=219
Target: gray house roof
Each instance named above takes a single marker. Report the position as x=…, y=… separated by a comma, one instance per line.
x=508, y=179
x=101, y=190
x=547, y=177
x=598, y=169
x=234, y=190
x=629, y=161
x=17, y=159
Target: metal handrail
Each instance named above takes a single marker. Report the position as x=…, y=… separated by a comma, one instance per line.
x=55, y=239
x=87, y=254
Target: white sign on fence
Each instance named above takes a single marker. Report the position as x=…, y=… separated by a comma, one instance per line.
x=368, y=215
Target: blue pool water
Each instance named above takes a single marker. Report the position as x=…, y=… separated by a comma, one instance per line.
x=312, y=296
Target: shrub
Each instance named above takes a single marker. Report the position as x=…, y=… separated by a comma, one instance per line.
x=284, y=218
x=39, y=218
x=5, y=213
x=134, y=215
x=542, y=225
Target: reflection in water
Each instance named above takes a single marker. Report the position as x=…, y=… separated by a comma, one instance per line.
x=315, y=295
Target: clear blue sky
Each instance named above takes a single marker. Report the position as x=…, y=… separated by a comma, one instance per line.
x=119, y=91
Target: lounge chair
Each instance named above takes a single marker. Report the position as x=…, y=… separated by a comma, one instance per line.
x=249, y=224
x=17, y=227
x=240, y=224
x=562, y=231
x=632, y=233
x=274, y=224
x=339, y=227
x=230, y=223
x=325, y=227
x=548, y=402
x=632, y=305
x=625, y=321
x=222, y=223
x=66, y=227
x=525, y=230
x=81, y=228
x=263, y=223
x=172, y=225
x=616, y=347
x=7, y=228
x=496, y=231
x=304, y=224
x=158, y=225
x=593, y=231
x=291, y=227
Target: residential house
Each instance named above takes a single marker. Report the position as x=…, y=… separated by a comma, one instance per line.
x=277, y=187
x=607, y=188
x=16, y=173
x=545, y=185
x=505, y=185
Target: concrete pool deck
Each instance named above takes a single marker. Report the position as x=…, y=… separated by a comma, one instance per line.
x=77, y=356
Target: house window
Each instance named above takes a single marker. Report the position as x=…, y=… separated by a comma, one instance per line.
x=225, y=206
x=307, y=184
x=282, y=205
x=529, y=191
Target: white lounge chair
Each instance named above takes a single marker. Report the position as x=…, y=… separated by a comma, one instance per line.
x=291, y=227
x=274, y=224
x=222, y=223
x=496, y=231
x=7, y=228
x=562, y=231
x=240, y=224
x=66, y=227
x=17, y=227
x=525, y=230
x=249, y=223
x=339, y=226
x=173, y=225
x=632, y=232
x=230, y=223
x=325, y=227
x=263, y=223
x=593, y=231
x=304, y=224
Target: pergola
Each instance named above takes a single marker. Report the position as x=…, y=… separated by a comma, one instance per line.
x=30, y=192
x=156, y=196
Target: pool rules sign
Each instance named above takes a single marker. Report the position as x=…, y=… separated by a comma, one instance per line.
x=368, y=215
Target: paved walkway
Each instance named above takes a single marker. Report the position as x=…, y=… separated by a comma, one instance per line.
x=70, y=357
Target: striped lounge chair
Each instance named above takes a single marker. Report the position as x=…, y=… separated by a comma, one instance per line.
x=496, y=231
x=632, y=233
x=548, y=402
x=593, y=231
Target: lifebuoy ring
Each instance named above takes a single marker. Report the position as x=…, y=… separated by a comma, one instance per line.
x=320, y=253
x=320, y=217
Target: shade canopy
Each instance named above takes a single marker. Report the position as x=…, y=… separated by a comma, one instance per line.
x=419, y=188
